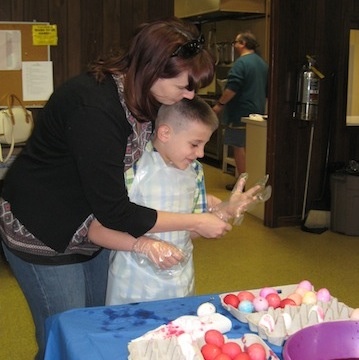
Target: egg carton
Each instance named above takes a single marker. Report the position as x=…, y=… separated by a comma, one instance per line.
x=283, y=292
x=276, y=325
x=171, y=349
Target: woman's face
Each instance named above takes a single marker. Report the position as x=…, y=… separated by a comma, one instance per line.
x=170, y=91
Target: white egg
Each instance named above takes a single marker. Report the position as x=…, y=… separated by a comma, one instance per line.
x=206, y=309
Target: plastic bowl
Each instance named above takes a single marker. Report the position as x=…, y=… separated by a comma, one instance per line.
x=332, y=340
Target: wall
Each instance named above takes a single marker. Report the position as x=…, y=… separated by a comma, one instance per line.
x=86, y=29
x=298, y=28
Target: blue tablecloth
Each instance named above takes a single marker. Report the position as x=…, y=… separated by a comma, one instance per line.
x=104, y=332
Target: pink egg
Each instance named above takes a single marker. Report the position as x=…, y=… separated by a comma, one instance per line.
x=309, y=297
x=260, y=303
x=305, y=284
x=267, y=290
x=323, y=295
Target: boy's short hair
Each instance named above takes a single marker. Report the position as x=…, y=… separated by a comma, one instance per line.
x=181, y=113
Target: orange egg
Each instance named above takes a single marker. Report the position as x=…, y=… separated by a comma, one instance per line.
x=297, y=298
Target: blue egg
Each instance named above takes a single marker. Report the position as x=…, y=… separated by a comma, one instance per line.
x=246, y=306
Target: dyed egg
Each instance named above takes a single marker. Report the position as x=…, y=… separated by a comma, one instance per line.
x=242, y=356
x=206, y=309
x=210, y=351
x=305, y=284
x=286, y=302
x=267, y=290
x=214, y=337
x=231, y=348
x=257, y=351
x=246, y=306
x=231, y=299
x=245, y=295
x=260, y=303
x=273, y=300
x=223, y=357
x=323, y=295
x=309, y=297
x=297, y=298
x=301, y=291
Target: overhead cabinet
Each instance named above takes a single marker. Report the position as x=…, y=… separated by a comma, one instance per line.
x=210, y=9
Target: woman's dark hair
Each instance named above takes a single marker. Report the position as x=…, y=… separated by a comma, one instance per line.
x=149, y=58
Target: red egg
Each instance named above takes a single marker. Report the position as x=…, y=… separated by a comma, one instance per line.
x=231, y=348
x=214, y=337
x=245, y=295
x=231, y=299
x=222, y=357
x=257, y=351
x=242, y=356
x=273, y=300
x=287, y=301
x=210, y=351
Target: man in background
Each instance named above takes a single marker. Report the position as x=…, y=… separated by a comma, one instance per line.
x=245, y=93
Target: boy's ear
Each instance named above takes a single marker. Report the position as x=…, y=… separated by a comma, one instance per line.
x=164, y=132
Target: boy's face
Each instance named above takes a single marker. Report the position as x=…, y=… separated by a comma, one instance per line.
x=184, y=146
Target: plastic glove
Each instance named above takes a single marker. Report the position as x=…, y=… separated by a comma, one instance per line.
x=161, y=254
x=240, y=202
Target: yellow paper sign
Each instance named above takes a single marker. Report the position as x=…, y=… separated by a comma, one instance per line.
x=44, y=34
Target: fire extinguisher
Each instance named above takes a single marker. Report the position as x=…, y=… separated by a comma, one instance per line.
x=308, y=91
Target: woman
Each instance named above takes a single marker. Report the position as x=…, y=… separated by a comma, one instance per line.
x=71, y=171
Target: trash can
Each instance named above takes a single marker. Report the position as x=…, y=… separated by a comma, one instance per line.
x=344, y=212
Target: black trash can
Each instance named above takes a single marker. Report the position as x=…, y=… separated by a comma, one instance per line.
x=344, y=212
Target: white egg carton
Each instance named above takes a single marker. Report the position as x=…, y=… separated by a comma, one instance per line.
x=170, y=349
x=276, y=325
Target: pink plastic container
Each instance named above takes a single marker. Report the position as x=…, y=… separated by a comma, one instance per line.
x=332, y=340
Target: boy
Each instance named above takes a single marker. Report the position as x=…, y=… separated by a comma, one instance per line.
x=167, y=177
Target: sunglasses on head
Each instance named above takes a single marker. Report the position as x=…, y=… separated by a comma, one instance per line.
x=190, y=48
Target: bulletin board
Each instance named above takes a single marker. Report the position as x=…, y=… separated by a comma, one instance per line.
x=11, y=80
